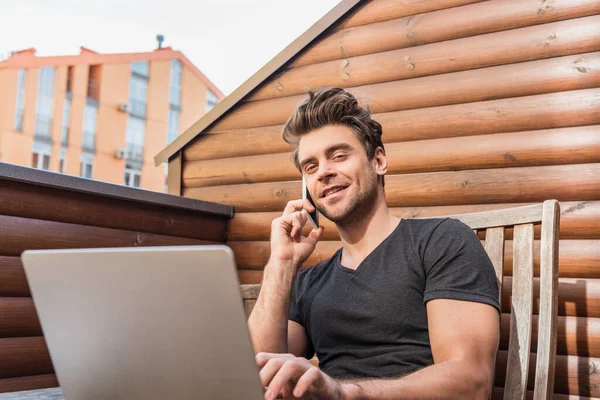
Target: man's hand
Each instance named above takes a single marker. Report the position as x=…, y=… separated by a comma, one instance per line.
x=296, y=378
x=287, y=242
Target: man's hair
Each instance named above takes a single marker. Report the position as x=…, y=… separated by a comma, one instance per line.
x=332, y=106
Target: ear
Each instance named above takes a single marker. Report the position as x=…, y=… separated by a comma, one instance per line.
x=380, y=161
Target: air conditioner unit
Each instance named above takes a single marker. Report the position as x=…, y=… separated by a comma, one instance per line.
x=123, y=107
x=120, y=153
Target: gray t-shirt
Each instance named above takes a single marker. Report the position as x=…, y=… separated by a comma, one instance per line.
x=372, y=322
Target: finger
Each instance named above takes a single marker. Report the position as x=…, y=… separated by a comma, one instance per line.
x=290, y=370
x=314, y=236
x=263, y=357
x=270, y=369
x=297, y=205
x=298, y=220
x=310, y=377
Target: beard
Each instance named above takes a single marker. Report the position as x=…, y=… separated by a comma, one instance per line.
x=359, y=206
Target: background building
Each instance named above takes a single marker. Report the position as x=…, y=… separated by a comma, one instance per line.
x=99, y=116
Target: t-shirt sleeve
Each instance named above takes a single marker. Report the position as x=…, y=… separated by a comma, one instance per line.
x=457, y=266
x=297, y=316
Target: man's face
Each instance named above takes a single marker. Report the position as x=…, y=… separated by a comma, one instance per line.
x=341, y=179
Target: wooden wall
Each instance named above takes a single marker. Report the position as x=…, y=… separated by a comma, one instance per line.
x=41, y=210
x=484, y=105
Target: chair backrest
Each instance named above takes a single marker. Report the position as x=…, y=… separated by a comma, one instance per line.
x=493, y=226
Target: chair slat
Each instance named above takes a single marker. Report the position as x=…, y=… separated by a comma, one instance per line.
x=250, y=291
x=517, y=366
x=505, y=217
x=494, y=247
x=546, y=348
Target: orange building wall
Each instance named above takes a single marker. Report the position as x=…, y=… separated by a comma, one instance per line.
x=112, y=123
x=16, y=147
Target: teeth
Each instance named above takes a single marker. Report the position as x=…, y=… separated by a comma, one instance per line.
x=333, y=191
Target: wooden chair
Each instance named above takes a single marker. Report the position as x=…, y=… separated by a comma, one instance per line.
x=493, y=225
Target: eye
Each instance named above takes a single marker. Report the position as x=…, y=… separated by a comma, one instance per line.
x=339, y=156
x=309, y=168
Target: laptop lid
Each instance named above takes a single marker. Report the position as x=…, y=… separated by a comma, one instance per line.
x=144, y=323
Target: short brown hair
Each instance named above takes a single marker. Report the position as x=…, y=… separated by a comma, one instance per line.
x=332, y=106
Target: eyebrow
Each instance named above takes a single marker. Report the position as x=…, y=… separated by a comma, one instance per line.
x=330, y=150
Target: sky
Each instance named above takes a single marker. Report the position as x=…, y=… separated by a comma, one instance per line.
x=228, y=40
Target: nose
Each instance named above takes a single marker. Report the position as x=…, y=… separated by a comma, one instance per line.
x=325, y=171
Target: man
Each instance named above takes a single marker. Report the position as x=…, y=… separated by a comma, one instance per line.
x=406, y=309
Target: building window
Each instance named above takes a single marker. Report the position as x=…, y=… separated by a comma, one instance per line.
x=62, y=161
x=20, y=102
x=211, y=100
x=175, y=85
x=45, y=104
x=173, y=126
x=90, y=116
x=138, y=88
x=133, y=174
x=64, y=139
x=134, y=138
x=40, y=157
x=86, y=166
x=93, y=87
x=140, y=68
x=41, y=161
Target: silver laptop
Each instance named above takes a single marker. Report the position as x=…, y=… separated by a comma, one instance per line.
x=144, y=323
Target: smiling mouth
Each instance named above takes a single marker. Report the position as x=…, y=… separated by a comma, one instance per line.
x=334, y=191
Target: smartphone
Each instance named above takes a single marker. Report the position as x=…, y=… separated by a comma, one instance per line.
x=313, y=217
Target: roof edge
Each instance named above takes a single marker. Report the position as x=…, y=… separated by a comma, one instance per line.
x=259, y=77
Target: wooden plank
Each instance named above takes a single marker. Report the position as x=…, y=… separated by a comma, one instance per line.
x=18, y=318
x=581, y=71
x=383, y=10
x=577, y=336
x=494, y=218
x=28, y=383
x=437, y=26
x=577, y=376
x=20, y=234
x=546, y=350
x=250, y=292
x=561, y=146
x=525, y=184
x=174, y=174
x=553, y=110
x=577, y=258
x=23, y=357
x=30, y=201
x=579, y=220
x=494, y=247
x=13, y=282
x=576, y=297
x=556, y=39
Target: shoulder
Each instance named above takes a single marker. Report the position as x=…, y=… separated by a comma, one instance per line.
x=427, y=227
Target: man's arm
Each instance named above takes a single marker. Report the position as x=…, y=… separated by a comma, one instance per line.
x=268, y=323
x=464, y=342
x=269, y=327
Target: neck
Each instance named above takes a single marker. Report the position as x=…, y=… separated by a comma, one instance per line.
x=362, y=235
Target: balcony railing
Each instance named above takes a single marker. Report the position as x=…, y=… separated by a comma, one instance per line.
x=19, y=120
x=134, y=152
x=89, y=141
x=137, y=108
x=43, y=128
x=64, y=139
